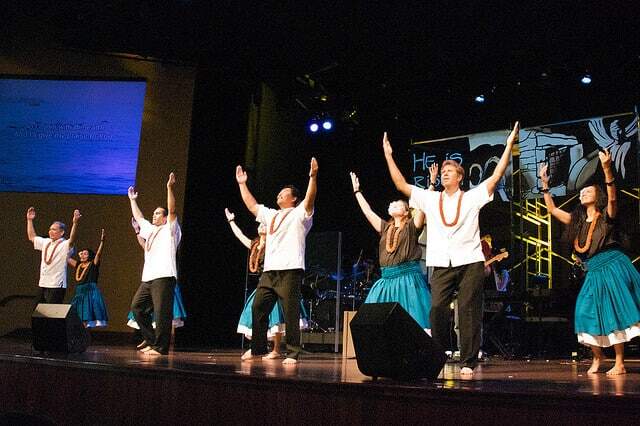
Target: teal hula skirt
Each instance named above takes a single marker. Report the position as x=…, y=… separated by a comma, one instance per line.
x=179, y=312
x=405, y=284
x=276, y=318
x=89, y=304
x=608, y=305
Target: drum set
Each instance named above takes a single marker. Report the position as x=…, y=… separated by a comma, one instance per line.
x=321, y=291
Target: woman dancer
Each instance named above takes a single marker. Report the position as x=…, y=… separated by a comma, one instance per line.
x=402, y=279
x=608, y=305
x=179, y=312
x=256, y=259
x=88, y=300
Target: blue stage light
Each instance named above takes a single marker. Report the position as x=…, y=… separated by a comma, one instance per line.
x=313, y=127
x=586, y=79
x=327, y=125
x=479, y=99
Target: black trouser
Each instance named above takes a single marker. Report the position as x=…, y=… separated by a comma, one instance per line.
x=274, y=285
x=50, y=295
x=156, y=294
x=468, y=281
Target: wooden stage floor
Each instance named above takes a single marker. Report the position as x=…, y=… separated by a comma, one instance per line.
x=536, y=389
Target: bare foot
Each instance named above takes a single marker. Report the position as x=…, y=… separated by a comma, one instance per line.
x=152, y=352
x=247, y=356
x=617, y=370
x=145, y=349
x=290, y=361
x=272, y=355
x=595, y=365
x=466, y=372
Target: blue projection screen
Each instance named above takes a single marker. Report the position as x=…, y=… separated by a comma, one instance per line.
x=69, y=136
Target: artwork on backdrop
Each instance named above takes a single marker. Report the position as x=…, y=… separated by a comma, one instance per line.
x=570, y=148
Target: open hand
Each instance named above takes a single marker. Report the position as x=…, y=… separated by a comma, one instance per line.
x=241, y=175
x=132, y=193
x=433, y=173
x=102, y=235
x=31, y=213
x=544, y=177
x=605, y=159
x=76, y=216
x=172, y=180
x=355, y=182
x=230, y=216
x=386, y=145
x=514, y=135
x=313, y=168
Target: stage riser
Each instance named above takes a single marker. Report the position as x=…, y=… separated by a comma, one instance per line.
x=103, y=395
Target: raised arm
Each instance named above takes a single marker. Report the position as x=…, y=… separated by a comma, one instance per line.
x=492, y=181
x=396, y=175
x=373, y=218
x=97, y=257
x=171, y=199
x=610, y=181
x=312, y=188
x=418, y=218
x=74, y=227
x=70, y=260
x=135, y=210
x=31, y=230
x=247, y=197
x=136, y=228
x=556, y=212
x=236, y=229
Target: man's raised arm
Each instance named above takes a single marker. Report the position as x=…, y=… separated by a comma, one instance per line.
x=247, y=197
x=171, y=199
x=492, y=181
x=396, y=175
x=31, y=230
x=312, y=188
x=74, y=227
x=135, y=210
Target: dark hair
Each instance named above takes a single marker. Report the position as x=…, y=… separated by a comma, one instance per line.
x=164, y=210
x=579, y=215
x=92, y=254
x=294, y=192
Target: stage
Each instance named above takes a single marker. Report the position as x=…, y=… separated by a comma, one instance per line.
x=115, y=384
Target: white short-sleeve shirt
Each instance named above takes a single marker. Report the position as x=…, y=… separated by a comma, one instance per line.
x=53, y=275
x=161, y=245
x=452, y=245
x=285, y=246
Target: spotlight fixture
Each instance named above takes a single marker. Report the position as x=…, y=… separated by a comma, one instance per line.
x=479, y=99
x=586, y=79
x=313, y=127
x=327, y=124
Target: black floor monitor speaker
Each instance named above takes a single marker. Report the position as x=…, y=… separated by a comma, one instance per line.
x=389, y=343
x=57, y=328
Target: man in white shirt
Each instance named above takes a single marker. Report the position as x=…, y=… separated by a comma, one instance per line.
x=53, y=263
x=162, y=237
x=283, y=272
x=454, y=248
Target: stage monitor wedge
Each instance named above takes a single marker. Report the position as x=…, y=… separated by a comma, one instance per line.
x=57, y=328
x=389, y=343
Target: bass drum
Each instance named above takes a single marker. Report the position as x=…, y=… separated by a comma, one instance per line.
x=324, y=312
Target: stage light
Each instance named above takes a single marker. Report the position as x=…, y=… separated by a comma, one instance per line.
x=479, y=99
x=313, y=127
x=586, y=79
x=327, y=125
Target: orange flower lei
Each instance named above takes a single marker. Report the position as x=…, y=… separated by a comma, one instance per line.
x=81, y=270
x=393, y=233
x=256, y=254
x=587, y=244
x=455, y=221
x=53, y=252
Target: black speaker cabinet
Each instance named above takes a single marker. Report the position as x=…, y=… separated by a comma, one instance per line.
x=389, y=343
x=57, y=328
